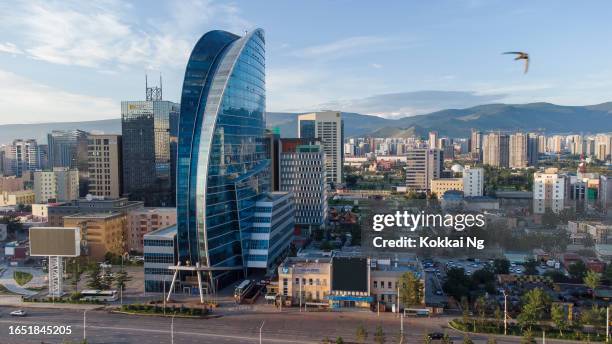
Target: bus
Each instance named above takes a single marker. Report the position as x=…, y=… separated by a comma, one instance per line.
x=242, y=289
x=99, y=295
x=417, y=312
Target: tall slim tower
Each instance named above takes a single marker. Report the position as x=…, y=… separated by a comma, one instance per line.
x=496, y=149
x=328, y=127
x=518, y=150
x=146, y=148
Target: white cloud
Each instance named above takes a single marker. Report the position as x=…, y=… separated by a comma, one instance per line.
x=27, y=101
x=349, y=46
x=108, y=34
x=10, y=48
x=376, y=65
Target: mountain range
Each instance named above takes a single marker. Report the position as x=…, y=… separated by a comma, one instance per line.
x=545, y=117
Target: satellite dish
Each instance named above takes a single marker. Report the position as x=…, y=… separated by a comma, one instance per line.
x=89, y=197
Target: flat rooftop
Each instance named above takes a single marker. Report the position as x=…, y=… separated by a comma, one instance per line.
x=169, y=232
x=99, y=215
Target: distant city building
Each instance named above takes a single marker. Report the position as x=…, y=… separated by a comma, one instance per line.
x=93, y=205
x=327, y=127
x=433, y=140
x=10, y=198
x=440, y=185
x=423, y=165
x=68, y=148
x=101, y=232
x=518, y=150
x=548, y=191
x=59, y=185
x=473, y=181
x=272, y=231
x=160, y=252
x=303, y=172
x=146, y=149
x=104, y=161
x=145, y=220
x=533, y=149
x=496, y=149
x=603, y=147
x=20, y=157
x=476, y=145
x=554, y=144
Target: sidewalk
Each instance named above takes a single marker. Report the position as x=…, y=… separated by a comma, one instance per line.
x=15, y=301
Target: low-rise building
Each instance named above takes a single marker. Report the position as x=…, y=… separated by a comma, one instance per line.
x=59, y=185
x=101, y=232
x=581, y=231
x=309, y=277
x=93, y=204
x=141, y=221
x=350, y=285
x=440, y=185
x=385, y=274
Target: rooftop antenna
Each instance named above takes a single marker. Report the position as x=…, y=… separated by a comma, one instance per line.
x=154, y=92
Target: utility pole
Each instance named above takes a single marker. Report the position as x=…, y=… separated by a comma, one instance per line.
x=85, y=324
x=401, y=328
x=398, y=300
x=300, y=294
x=543, y=337
x=505, y=313
x=164, y=296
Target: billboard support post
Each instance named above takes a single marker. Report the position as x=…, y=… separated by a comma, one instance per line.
x=56, y=288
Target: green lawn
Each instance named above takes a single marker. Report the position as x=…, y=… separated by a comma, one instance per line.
x=22, y=277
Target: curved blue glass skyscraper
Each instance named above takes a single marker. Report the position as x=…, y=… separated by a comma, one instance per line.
x=222, y=164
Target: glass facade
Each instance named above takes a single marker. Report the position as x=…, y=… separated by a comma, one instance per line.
x=147, y=127
x=222, y=162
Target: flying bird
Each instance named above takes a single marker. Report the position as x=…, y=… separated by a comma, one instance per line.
x=521, y=56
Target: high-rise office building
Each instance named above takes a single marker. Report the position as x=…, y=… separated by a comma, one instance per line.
x=273, y=150
x=59, y=185
x=327, y=127
x=104, y=156
x=423, y=165
x=548, y=191
x=146, y=148
x=518, y=150
x=222, y=165
x=303, y=172
x=495, y=149
x=473, y=181
x=68, y=148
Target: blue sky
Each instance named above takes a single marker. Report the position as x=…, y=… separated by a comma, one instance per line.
x=68, y=61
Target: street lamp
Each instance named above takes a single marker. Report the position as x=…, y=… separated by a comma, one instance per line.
x=85, y=324
x=172, y=329
x=260, y=328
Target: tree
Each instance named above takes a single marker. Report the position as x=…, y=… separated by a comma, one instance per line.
x=379, y=335
x=558, y=316
x=491, y=340
x=501, y=266
x=534, y=307
x=480, y=306
x=577, y=270
x=595, y=316
x=531, y=267
x=362, y=334
x=592, y=280
x=121, y=278
x=528, y=338
x=326, y=340
x=94, y=278
x=467, y=339
x=427, y=339
x=339, y=340
x=446, y=339
x=499, y=315
x=411, y=289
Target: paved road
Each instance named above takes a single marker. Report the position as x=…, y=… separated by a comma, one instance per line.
x=287, y=327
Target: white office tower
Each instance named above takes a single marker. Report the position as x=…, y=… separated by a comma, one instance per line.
x=328, y=128
x=473, y=181
x=548, y=191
